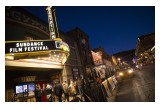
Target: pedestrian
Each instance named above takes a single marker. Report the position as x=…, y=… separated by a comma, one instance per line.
x=43, y=96
x=79, y=85
x=58, y=89
x=66, y=90
x=72, y=89
x=49, y=92
x=53, y=92
x=38, y=93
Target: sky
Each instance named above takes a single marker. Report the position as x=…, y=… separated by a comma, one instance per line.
x=115, y=28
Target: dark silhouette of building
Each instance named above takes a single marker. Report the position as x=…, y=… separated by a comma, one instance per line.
x=126, y=56
x=82, y=41
x=144, y=43
x=145, y=49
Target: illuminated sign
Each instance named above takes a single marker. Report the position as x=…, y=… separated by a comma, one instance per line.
x=33, y=46
x=114, y=60
x=97, y=58
x=50, y=20
x=62, y=45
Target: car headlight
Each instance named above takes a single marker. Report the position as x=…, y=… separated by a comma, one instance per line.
x=121, y=74
x=130, y=71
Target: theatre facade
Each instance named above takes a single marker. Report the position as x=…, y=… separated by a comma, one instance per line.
x=33, y=56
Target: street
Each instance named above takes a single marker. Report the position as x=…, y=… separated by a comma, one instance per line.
x=140, y=88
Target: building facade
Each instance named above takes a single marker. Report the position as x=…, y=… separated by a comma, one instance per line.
x=145, y=49
x=25, y=71
x=104, y=68
x=106, y=60
x=86, y=59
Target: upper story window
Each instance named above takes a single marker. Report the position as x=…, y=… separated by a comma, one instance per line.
x=83, y=41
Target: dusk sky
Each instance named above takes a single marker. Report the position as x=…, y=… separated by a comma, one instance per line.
x=114, y=28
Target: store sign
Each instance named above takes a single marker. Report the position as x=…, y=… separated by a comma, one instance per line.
x=105, y=84
x=25, y=79
x=33, y=46
x=110, y=80
x=50, y=20
x=97, y=58
x=62, y=45
x=114, y=60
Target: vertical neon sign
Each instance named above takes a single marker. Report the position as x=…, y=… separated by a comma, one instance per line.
x=51, y=24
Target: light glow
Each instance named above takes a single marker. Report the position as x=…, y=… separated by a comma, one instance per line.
x=9, y=57
x=121, y=74
x=130, y=71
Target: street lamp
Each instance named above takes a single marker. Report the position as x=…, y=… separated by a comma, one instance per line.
x=119, y=59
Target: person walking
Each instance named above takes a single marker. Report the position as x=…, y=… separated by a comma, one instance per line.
x=38, y=93
x=58, y=89
x=79, y=85
x=66, y=90
x=72, y=89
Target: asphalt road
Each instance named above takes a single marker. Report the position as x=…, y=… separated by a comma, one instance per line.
x=140, y=88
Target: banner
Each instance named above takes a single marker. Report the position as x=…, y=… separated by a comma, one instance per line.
x=105, y=84
x=110, y=80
